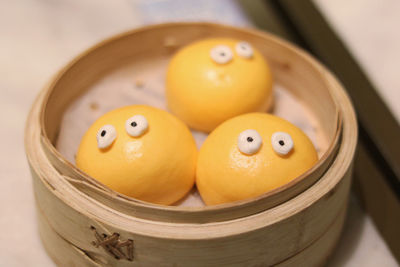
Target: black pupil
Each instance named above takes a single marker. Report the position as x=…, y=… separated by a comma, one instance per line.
x=281, y=143
x=250, y=139
x=103, y=133
x=134, y=124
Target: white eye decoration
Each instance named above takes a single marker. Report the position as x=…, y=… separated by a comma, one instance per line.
x=221, y=54
x=244, y=49
x=106, y=136
x=135, y=126
x=282, y=143
x=249, y=142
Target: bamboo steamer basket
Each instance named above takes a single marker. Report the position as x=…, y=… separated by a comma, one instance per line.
x=83, y=223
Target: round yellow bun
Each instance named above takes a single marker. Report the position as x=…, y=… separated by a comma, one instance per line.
x=226, y=174
x=204, y=93
x=158, y=166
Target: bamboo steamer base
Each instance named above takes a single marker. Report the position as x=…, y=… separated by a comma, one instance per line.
x=297, y=225
x=65, y=254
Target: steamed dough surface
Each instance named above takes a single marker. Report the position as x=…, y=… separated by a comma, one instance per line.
x=143, y=82
x=211, y=80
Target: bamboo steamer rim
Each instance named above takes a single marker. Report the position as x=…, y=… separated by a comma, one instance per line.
x=47, y=144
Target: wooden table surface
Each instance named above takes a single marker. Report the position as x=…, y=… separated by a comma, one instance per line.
x=39, y=37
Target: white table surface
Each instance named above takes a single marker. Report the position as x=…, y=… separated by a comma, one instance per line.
x=370, y=30
x=39, y=37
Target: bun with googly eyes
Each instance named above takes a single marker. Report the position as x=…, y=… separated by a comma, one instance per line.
x=202, y=75
x=136, y=125
x=106, y=136
x=221, y=54
x=282, y=143
x=244, y=49
x=236, y=162
x=249, y=142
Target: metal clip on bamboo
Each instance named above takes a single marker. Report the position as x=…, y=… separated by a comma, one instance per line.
x=82, y=223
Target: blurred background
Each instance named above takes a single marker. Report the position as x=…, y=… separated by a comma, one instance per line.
x=38, y=37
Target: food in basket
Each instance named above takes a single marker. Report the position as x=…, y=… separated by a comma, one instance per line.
x=142, y=152
x=212, y=80
x=249, y=155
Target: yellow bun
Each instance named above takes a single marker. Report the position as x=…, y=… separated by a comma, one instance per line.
x=205, y=93
x=156, y=166
x=225, y=173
